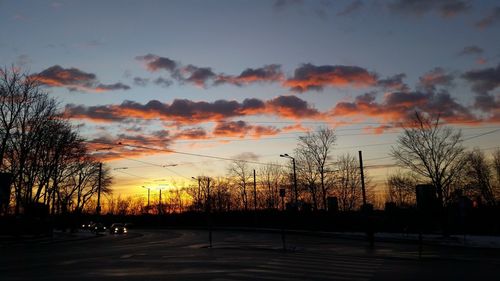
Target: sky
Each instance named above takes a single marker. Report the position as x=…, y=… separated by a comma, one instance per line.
x=179, y=88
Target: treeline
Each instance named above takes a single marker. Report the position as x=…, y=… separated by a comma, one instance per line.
x=46, y=166
x=431, y=152
x=427, y=151
x=320, y=175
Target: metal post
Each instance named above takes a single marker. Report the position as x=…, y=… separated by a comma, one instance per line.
x=98, y=208
x=160, y=211
x=148, y=197
x=295, y=183
x=208, y=213
x=199, y=194
x=254, y=192
x=362, y=177
x=282, y=195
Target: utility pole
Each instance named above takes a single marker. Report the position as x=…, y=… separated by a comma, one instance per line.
x=254, y=192
x=208, y=213
x=99, y=182
x=362, y=177
x=160, y=211
x=295, y=183
x=148, y=197
x=294, y=178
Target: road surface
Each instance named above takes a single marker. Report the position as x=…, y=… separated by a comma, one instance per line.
x=239, y=255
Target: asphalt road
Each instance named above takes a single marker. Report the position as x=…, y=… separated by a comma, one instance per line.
x=240, y=255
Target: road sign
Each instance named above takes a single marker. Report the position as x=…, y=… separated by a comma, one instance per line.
x=282, y=192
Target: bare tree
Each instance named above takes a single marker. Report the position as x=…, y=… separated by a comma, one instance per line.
x=308, y=176
x=496, y=169
x=479, y=176
x=318, y=147
x=401, y=188
x=348, y=183
x=241, y=174
x=17, y=90
x=271, y=177
x=432, y=151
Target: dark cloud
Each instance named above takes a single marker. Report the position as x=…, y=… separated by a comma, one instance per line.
x=196, y=75
x=394, y=83
x=267, y=73
x=492, y=18
x=351, y=8
x=75, y=80
x=447, y=8
x=471, y=50
x=155, y=63
x=139, y=81
x=434, y=78
x=242, y=129
x=292, y=107
x=398, y=106
x=310, y=77
x=231, y=128
x=185, y=111
x=483, y=80
x=192, y=133
x=111, y=87
x=99, y=113
x=162, y=82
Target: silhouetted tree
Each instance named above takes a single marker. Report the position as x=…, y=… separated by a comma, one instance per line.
x=401, y=189
x=478, y=176
x=496, y=169
x=318, y=146
x=348, y=183
x=308, y=176
x=240, y=173
x=270, y=178
x=431, y=150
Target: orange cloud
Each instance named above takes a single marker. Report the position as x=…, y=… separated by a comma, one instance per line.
x=311, y=77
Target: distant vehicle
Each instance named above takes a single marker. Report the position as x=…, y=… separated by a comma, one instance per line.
x=118, y=228
x=87, y=225
x=97, y=227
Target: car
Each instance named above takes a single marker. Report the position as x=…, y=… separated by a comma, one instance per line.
x=97, y=227
x=118, y=228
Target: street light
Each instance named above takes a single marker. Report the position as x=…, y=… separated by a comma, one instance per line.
x=198, y=199
x=149, y=189
x=160, y=205
x=294, y=177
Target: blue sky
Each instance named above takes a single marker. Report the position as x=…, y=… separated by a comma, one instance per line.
x=446, y=53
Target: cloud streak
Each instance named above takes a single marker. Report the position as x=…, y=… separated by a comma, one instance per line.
x=183, y=111
x=75, y=79
x=311, y=77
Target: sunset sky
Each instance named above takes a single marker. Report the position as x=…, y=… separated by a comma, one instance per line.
x=244, y=79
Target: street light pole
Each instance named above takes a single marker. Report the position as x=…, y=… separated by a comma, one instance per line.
x=198, y=196
x=148, y=194
x=294, y=177
x=98, y=208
